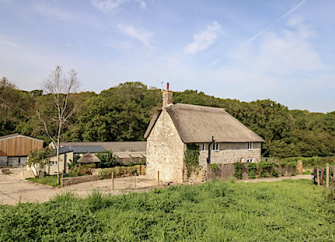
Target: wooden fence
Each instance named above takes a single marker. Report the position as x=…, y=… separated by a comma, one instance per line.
x=224, y=171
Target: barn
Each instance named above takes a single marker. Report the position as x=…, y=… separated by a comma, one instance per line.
x=15, y=148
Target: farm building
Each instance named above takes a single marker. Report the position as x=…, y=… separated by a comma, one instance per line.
x=66, y=156
x=125, y=152
x=221, y=138
x=15, y=148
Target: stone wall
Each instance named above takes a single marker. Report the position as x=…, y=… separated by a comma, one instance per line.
x=75, y=180
x=230, y=153
x=165, y=151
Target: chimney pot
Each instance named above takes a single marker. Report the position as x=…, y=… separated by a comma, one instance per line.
x=167, y=86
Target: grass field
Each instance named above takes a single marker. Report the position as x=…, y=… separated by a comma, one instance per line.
x=289, y=210
x=48, y=180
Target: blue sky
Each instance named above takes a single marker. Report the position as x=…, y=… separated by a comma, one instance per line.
x=241, y=49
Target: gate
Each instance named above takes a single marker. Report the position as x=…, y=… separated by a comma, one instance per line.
x=224, y=171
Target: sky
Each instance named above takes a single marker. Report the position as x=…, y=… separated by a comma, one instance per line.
x=248, y=50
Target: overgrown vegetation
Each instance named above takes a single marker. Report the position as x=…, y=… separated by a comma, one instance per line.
x=290, y=210
x=48, y=180
x=238, y=169
x=266, y=168
x=191, y=158
x=119, y=171
x=82, y=170
x=122, y=113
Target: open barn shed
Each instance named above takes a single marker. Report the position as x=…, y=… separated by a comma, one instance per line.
x=15, y=148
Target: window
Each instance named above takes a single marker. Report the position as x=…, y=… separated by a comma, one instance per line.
x=250, y=146
x=250, y=160
x=54, y=162
x=215, y=146
x=203, y=147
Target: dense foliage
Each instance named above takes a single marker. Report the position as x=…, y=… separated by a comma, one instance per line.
x=122, y=113
x=120, y=171
x=215, y=211
x=191, y=158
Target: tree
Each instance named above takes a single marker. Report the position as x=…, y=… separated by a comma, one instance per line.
x=107, y=159
x=55, y=114
x=38, y=158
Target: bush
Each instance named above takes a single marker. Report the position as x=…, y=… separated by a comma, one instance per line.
x=238, y=169
x=81, y=170
x=119, y=171
x=252, y=167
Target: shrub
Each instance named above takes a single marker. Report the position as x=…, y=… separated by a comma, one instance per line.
x=252, y=167
x=119, y=171
x=238, y=169
x=214, y=167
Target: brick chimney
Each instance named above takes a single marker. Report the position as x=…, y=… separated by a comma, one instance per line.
x=167, y=97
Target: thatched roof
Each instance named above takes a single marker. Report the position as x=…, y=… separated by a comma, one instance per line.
x=197, y=124
x=89, y=158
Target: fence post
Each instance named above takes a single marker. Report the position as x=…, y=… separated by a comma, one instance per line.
x=322, y=171
x=317, y=175
x=158, y=177
x=327, y=175
x=113, y=180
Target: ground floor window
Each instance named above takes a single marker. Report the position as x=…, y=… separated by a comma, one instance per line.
x=250, y=160
x=53, y=162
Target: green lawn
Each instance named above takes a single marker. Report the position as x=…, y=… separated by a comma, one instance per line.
x=48, y=180
x=289, y=210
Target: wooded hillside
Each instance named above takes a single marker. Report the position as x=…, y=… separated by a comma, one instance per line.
x=122, y=113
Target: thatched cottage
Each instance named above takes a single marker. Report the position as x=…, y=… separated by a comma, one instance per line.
x=221, y=138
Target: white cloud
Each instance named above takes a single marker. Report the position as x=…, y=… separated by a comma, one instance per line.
x=143, y=5
x=290, y=50
x=107, y=6
x=143, y=36
x=111, y=6
x=203, y=40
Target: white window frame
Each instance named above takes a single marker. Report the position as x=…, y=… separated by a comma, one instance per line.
x=216, y=147
x=250, y=160
x=203, y=147
x=53, y=163
x=250, y=146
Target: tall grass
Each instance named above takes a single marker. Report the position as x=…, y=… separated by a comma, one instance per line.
x=214, y=211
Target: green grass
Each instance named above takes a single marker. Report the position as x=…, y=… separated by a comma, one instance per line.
x=289, y=210
x=48, y=180
x=306, y=172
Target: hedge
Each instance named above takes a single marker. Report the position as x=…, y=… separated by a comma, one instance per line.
x=119, y=171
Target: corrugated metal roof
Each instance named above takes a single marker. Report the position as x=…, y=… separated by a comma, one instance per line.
x=127, y=146
x=197, y=124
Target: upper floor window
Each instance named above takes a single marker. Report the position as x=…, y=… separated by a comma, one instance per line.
x=216, y=146
x=203, y=147
x=250, y=146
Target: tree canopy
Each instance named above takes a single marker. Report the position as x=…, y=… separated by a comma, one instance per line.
x=123, y=112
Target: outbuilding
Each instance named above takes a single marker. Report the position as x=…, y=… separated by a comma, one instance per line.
x=15, y=148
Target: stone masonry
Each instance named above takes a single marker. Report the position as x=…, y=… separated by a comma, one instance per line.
x=230, y=153
x=165, y=151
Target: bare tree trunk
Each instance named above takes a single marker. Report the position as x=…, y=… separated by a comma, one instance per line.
x=58, y=144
